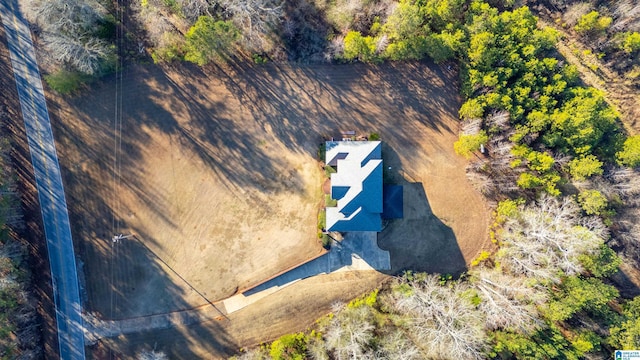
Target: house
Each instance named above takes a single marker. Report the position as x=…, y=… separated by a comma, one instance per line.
x=356, y=185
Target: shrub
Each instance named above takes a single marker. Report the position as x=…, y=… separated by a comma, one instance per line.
x=584, y=167
x=209, y=40
x=592, y=202
x=592, y=22
x=289, y=347
x=322, y=219
x=329, y=201
x=631, y=42
x=467, y=144
x=630, y=154
x=66, y=82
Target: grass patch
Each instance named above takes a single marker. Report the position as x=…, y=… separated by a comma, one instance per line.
x=322, y=220
x=328, y=170
x=329, y=201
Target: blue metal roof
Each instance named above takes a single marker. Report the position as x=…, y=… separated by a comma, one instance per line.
x=357, y=185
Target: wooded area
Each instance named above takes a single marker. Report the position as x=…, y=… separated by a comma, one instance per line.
x=20, y=335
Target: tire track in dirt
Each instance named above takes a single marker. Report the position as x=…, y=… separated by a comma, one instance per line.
x=622, y=97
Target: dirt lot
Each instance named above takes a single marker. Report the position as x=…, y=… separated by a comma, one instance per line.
x=216, y=175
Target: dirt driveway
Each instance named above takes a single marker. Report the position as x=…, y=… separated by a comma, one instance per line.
x=215, y=173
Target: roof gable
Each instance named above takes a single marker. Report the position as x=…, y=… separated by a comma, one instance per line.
x=357, y=185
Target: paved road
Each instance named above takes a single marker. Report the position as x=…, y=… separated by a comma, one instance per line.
x=49, y=182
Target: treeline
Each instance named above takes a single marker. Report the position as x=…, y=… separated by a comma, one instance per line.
x=347, y=30
x=316, y=30
x=562, y=177
x=79, y=35
x=20, y=333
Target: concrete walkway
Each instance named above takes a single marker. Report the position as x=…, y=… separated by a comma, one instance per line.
x=357, y=251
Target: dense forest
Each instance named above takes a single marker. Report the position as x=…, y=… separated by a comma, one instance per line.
x=19, y=323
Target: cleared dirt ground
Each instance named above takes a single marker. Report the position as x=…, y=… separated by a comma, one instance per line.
x=216, y=175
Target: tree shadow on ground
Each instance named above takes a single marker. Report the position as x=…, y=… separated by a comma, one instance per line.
x=176, y=342
x=122, y=275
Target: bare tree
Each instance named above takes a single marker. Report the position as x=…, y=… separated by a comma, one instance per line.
x=508, y=302
x=626, y=15
x=397, y=345
x=68, y=32
x=499, y=120
x=350, y=333
x=84, y=54
x=626, y=183
x=471, y=127
x=442, y=318
x=317, y=349
x=191, y=9
x=65, y=16
x=334, y=48
x=494, y=176
x=256, y=18
x=547, y=238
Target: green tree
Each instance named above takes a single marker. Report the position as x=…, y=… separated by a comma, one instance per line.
x=548, y=343
x=592, y=202
x=626, y=334
x=582, y=123
x=630, y=154
x=414, y=48
x=359, y=47
x=546, y=182
x=578, y=294
x=445, y=45
x=405, y=22
x=471, y=109
x=538, y=161
x=584, y=167
x=592, y=22
x=289, y=347
x=209, y=40
x=442, y=13
x=631, y=42
x=467, y=144
x=601, y=264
